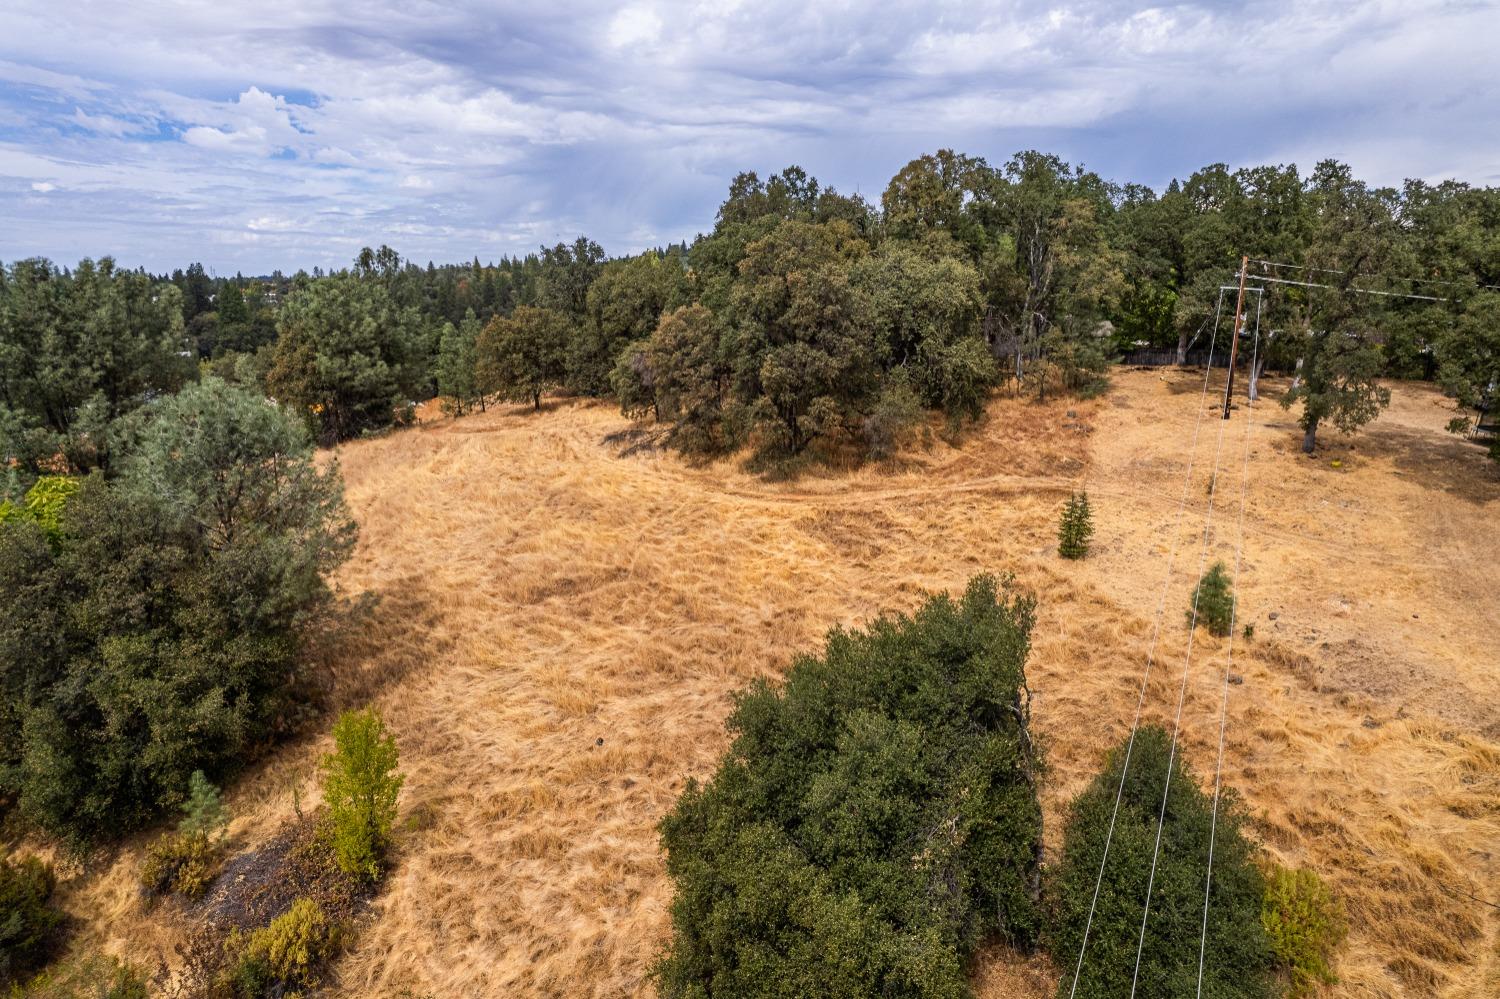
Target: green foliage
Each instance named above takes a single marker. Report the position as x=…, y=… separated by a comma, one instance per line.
x=161, y=634
x=1304, y=924
x=524, y=356
x=1469, y=360
x=457, y=380
x=286, y=955
x=360, y=788
x=894, y=420
x=184, y=863
x=77, y=350
x=43, y=504
x=874, y=820
x=89, y=977
x=1237, y=957
x=346, y=357
x=1077, y=527
x=203, y=811
x=1213, y=602
x=28, y=923
x=624, y=304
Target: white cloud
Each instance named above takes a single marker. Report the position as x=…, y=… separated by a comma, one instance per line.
x=280, y=134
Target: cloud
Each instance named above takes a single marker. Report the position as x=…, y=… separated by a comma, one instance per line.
x=284, y=133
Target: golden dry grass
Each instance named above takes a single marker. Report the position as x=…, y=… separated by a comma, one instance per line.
x=560, y=628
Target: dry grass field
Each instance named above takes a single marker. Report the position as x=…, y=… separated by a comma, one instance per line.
x=560, y=625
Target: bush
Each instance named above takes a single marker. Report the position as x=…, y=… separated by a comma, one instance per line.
x=893, y=422
x=1077, y=527
x=1237, y=958
x=1304, y=923
x=159, y=632
x=182, y=862
x=284, y=955
x=360, y=787
x=874, y=820
x=1213, y=602
x=90, y=977
x=28, y=923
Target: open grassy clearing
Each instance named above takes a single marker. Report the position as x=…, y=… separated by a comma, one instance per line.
x=560, y=625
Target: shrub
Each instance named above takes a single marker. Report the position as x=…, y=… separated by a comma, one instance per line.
x=28, y=923
x=1213, y=602
x=284, y=955
x=874, y=820
x=360, y=787
x=1237, y=958
x=89, y=977
x=182, y=862
x=43, y=504
x=893, y=422
x=160, y=633
x=1304, y=923
x=1077, y=527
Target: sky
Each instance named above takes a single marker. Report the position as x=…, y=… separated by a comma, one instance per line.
x=274, y=134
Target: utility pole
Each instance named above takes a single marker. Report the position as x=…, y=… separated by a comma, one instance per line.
x=1234, y=339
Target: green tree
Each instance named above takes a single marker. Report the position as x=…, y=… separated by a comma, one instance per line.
x=1077, y=527
x=1237, y=958
x=689, y=376
x=160, y=634
x=346, y=356
x=1469, y=360
x=360, y=788
x=874, y=820
x=1213, y=602
x=457, y=363
x=1353, y=240
x=623, y=304
x=805, y=355
x=523, y=356
x=77, y=350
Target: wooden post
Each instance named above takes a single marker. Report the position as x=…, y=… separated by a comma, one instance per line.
x=1234, y=339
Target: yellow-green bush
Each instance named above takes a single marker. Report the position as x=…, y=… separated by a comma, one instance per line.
x=181, y=862
x=1304, y=923
x=360, y=787
x=284, y=955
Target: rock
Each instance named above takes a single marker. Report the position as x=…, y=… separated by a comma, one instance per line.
x=1236, y=679
x=1273, y=615
x=599, y=742
x=1370, y=722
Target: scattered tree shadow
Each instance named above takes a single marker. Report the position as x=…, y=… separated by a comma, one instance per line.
x=1434, y=459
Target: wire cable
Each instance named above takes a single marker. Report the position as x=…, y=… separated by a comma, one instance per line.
x=1213, y=827
x=1161, y=820
x=1150, y=651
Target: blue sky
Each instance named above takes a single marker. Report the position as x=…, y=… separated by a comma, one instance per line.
x=252, y=136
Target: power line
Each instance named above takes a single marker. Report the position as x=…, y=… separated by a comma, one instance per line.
x=1150, y=652
x=1357, y=291
x=1239, y=549
x=1332, y=270
x=1187, y=662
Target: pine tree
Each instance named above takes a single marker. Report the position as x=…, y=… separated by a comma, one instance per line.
x=1077, y=527
x=1213, y=602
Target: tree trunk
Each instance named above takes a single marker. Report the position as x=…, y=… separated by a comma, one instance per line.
x=1297, y=375
x=1310, y=437
x=1182, y=346
x=1253, y=388
x=536, y=400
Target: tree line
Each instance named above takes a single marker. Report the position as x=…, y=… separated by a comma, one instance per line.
x=805, y=315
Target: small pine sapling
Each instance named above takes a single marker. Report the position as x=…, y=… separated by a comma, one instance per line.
x=1077, y=527
x=204, y=810
x=1213, y=602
